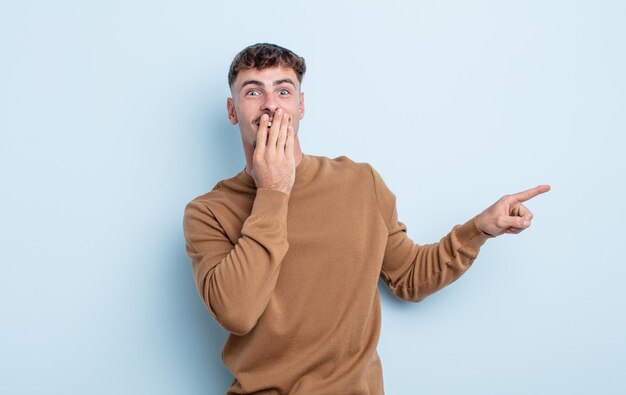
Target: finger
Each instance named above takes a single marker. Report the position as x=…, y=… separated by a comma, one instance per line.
x=514, y=231
x=524, y=212
x=273, y=133
x=282, y=134
x=289, y=143
x=512, y=222
x=531, y=193
x=261, y=134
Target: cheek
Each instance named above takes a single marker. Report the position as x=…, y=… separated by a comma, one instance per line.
x=295, y=112
x=296, y=124
x=244, y=110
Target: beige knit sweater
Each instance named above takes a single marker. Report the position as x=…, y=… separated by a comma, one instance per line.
x=293, y=278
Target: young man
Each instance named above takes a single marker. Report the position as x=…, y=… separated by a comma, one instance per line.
x=287, y=253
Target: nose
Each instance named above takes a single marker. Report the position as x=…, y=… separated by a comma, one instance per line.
x=269, y=104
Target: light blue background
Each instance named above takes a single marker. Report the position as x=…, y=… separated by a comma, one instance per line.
x=112, y=117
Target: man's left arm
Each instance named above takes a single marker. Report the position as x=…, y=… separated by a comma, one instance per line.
x=414, y=271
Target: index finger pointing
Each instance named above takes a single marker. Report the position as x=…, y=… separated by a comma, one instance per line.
x=531, y=193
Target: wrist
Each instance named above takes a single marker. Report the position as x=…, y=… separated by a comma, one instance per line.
x=479, y=227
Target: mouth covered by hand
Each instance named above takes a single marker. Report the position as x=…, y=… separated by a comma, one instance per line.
x=257, y=121
x=278, y=113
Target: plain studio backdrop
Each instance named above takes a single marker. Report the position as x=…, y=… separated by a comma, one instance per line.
x=112, y=118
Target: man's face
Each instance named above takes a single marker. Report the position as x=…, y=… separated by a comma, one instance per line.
x=258, y=92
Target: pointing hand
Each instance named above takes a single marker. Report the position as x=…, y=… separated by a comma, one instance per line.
x=508, y=214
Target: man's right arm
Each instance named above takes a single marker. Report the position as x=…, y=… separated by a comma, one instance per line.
x=236, y=282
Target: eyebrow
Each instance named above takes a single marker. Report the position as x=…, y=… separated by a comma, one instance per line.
x=284, y=81
x=251, y=82
x=275, y=83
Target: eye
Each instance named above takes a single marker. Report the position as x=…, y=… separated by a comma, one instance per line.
x=252, y=93
x=283, y=92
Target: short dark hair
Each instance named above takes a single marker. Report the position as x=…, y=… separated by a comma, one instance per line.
x=262, y=56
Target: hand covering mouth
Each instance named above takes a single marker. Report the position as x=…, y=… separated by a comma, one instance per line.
x=258, y=122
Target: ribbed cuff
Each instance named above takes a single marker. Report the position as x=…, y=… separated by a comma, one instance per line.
x=469, y=233
x=271, y=203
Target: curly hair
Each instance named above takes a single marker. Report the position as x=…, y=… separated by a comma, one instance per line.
x=262, y=56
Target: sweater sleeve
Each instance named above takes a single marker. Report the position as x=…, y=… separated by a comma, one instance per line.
x=412, y=271
x=236, y=282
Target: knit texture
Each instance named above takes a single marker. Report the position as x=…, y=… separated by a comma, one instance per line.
x=293, y=278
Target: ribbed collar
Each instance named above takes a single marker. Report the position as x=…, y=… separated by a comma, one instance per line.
x=304, y=170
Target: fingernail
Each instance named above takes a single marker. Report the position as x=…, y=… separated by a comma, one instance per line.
x=526, y=223
x=265, y=117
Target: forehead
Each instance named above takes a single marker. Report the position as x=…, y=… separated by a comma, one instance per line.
x=267, y=76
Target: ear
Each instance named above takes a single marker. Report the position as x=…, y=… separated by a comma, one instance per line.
x=232, y=114
x=301, y=109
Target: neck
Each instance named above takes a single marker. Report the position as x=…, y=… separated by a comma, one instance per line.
x=248, y=151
